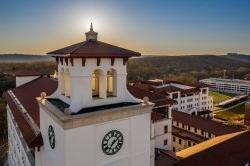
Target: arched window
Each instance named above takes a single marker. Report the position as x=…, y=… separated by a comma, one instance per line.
x=96, y=83
x=62, y=81
x=111, y=83
x=67, y=84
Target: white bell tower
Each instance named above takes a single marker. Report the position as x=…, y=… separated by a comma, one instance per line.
x=92, y=73
x=92, y=119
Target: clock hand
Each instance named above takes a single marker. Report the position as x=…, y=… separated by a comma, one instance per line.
x=113, y=142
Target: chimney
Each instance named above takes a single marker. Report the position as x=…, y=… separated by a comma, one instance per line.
x=247, y=113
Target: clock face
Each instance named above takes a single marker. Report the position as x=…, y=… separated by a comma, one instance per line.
x=51, y=135
x=112, y=142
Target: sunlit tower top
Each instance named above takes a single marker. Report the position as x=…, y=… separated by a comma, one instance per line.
x=92, y=73
x=91, y=35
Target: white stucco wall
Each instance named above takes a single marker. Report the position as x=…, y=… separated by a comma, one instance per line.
x=82, y=145
x=17, y=149
x=81, y=87
x=160, y=135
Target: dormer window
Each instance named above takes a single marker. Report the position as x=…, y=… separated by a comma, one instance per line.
x=111, y=83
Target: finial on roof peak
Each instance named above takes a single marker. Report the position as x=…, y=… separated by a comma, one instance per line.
x=91, y=35
x=91, y=26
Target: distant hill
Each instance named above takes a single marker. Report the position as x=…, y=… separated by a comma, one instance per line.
x=181, y=68
x=24, y=58
x=199, y=66
x=240, y=57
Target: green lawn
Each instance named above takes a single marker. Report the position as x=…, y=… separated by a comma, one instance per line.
x=220, y=97
x=236, y=113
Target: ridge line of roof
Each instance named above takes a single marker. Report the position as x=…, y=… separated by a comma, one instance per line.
x=80, y=44
x=24, y=113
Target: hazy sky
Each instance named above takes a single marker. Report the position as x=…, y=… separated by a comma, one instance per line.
x=167, y=27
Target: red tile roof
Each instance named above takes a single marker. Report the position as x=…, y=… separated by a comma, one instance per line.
x=169, y=88
x=204, y=124
x=95, y=49
x=232, y=152
x=184, y=134
x=30, y=73
x=27, y=94
x=155, y=116
x=157, y=98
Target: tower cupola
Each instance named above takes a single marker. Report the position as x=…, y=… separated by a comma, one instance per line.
x=91, y=35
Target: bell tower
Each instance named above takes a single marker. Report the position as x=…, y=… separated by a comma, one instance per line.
x=92, y=73
x=92, y=119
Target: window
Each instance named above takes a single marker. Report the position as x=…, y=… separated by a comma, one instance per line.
x=195, y=130
x=180, y=141
x=202, y=132
x=173, y=138
x=173, y=149
x=67, y=83
x=165, y=142
x=175, y=95
x=189, y=143
x=183, y=125
x=64, y=82
x=189, y=128
x=111, y=83
x=166, y=129
x=61, y=76
x=97, y=84
x=209, y=135
x=204, y=91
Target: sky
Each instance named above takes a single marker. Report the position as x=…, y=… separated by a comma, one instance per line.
x=152, y=27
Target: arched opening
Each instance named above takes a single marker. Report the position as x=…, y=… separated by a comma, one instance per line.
x=111, y=83
x=67, y=84
x=96, y=77
x=62, y=82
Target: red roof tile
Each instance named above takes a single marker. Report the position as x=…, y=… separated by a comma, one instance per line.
x=94, y=49
x=27, y=94
x=184, y=134
x=157, y=98
x=30, y=73
x=204, y=124
x=155, y=116
x=232, y=152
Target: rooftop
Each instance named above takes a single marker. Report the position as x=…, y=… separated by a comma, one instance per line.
x=31, y=73
x=157, y=98
x=204, y=124
x=187, y=135
x=168, y=86
x=23, y=98
x=237, y=81
x=62, y=105
x=92, y=48
x=231, y=150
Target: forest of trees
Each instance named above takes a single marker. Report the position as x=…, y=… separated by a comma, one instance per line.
x=187, y=68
